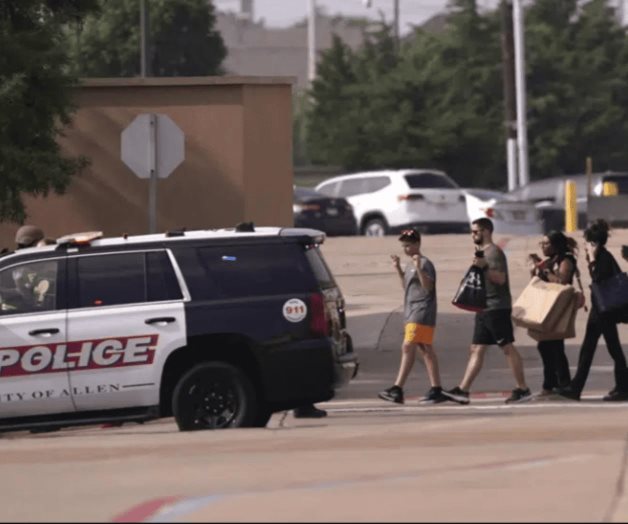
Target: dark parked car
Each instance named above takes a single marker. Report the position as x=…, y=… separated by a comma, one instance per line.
x=548, y=195
x=332, y=215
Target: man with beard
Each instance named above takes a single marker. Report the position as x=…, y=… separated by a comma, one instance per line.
x=494, y=324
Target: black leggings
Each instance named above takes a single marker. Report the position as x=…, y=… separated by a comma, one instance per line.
x=597, y=326
x=555, y=364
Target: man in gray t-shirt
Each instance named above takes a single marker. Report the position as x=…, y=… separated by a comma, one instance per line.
x=497, y=294
x=418, y=281
x=493, y=325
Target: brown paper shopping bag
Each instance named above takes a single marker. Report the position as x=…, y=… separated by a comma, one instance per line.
x=542, y=304
x=564, y=328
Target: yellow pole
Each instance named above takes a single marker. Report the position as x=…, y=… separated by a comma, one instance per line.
x=571, y=207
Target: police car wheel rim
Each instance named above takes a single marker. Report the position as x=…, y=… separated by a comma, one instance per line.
x=215, y=404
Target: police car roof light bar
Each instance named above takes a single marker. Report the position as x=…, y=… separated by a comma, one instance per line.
x=84, y=238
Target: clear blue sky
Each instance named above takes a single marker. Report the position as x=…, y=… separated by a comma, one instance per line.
x=282, y=13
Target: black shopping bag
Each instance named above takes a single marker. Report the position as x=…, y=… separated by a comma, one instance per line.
x=611, y=295
x=471, y=294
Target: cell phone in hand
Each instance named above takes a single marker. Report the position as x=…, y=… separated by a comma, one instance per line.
x=624, y=252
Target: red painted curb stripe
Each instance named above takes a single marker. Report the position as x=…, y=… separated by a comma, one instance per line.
x=145, y=510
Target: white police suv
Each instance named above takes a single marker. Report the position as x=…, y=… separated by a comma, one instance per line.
x=219, y=328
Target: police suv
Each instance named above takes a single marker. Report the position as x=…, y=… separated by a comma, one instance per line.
x=219, y=328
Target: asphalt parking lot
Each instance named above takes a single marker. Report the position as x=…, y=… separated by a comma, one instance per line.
x=368, y=460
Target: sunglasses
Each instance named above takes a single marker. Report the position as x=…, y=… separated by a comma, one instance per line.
x=409, y=233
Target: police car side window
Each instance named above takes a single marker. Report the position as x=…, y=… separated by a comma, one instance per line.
x=241, y=271
x=29, y=287
x=110, y=279
x=162, y=281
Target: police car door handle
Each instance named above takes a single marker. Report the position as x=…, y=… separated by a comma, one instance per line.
x=43, y=332
x=160, y=321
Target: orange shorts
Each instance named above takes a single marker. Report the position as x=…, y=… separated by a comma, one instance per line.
x=418, y=333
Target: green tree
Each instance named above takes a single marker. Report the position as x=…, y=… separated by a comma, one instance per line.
x=457, y=74
x=577, y=80
x=339, y=130
x=431, y=105
x=439, y=103
x=183, y=40
x=35, y=100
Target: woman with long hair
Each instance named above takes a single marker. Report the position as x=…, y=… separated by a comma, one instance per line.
x=602, y=266
x=559, y=265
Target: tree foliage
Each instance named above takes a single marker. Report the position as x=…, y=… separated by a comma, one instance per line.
x=439, y=101
x=182, y=39
x=35, y=100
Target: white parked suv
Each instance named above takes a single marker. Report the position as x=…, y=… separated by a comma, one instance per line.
x=386, y=202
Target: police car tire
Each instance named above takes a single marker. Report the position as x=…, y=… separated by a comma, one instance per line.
x=185, y=413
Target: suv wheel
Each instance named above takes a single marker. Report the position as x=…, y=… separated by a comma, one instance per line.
x=375, y=227
x=214, y=395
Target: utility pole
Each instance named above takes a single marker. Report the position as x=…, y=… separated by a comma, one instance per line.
x=144, y=39
x=396, y=23
x=311, y=40
x=520, y=72
x=510, y=113
x=396, y=19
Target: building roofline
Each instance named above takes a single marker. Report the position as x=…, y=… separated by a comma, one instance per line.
x=186, y=81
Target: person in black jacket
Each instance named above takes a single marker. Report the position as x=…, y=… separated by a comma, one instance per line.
x=559, y=266
x=602, y=265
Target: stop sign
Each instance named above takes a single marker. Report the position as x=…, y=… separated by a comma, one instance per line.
x=152, y=142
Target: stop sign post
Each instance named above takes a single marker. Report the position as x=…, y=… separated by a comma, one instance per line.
x=152, y=146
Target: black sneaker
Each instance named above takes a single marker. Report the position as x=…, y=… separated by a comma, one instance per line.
x=567, y=393
x=519, y=395
x=616, y=396
x=457, y=395
x=309, y=411
x=392, y=394
x=433, y=396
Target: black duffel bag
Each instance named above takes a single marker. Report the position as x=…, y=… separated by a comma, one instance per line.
x=471, y=294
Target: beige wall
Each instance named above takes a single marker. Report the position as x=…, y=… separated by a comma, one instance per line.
x=237, y=167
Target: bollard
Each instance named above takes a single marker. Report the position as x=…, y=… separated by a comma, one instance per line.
x=610, y=189
x=571, y=207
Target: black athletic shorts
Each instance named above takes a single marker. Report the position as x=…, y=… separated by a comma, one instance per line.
x=493, y=327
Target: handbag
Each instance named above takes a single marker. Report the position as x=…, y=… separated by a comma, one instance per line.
x=471, y=294
x=611, y=295
x=541, y=304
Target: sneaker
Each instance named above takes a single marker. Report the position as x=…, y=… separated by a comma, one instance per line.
x=392, y=394
x=519, y=395
x=309, y=411
x=433, y=396
x=567, y=392
x=457, y=395
x=616, y=396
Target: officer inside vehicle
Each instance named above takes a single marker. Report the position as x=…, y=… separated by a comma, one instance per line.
x=30, y=285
